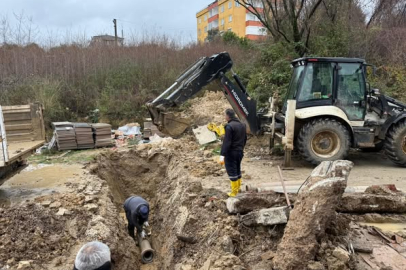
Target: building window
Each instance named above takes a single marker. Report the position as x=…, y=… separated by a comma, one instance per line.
x=205, y=29
x=200, y=32
x=222, y=8
x=237, y=4
x=200, y=20
x=230, y=18
x=230, y=4
x=222, y=21
x=229, y=29
x=205, y=17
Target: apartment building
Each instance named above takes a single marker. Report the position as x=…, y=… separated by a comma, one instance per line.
x=228, y=15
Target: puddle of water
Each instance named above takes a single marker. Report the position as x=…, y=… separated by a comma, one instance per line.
x=48, y=176
x=387, y=227
x=38, y=180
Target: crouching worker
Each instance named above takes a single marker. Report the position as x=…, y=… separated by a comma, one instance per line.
x=93, y=256
x=232, y=150
x=137, y=212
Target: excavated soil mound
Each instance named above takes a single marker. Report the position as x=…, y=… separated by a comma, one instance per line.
x=34, y=233
x=209, y=108
x=47, y=232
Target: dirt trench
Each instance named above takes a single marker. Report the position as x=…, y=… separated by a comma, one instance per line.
x=190, y=225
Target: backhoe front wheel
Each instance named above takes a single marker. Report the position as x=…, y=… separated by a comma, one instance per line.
x=323, y=139
x=395, y=144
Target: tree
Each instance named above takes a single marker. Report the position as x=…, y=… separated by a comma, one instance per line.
x=212, y=35
x=288, y=20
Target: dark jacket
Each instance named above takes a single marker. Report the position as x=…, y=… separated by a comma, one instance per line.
x=131, y=207
x=235, y=138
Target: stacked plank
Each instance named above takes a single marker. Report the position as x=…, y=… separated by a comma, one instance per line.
x=84, y=135
x=65, y=135
x=102, y=135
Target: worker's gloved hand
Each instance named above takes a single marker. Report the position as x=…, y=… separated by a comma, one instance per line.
x=146, y=224
x=143, y=234
x=221, y=160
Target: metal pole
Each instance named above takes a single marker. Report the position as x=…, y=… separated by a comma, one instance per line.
x=284, y=187
x=115, y=31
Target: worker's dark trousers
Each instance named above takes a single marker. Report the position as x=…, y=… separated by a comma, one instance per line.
x=131, y=226
x=233, y=164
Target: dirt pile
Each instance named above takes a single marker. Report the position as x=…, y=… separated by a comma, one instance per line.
x=209, y=108
x=47, y=231
x=38, y=234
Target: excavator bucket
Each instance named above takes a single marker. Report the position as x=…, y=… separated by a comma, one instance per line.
x=173, y=124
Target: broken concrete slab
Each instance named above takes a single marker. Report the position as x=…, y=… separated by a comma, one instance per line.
x=204, y=135
x=373, y=203
x=245, y=203
x=63, y=212
x=267, y=217
x=314, y=210
x=55, y=205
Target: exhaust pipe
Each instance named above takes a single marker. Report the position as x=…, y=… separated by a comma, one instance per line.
x=147, y=253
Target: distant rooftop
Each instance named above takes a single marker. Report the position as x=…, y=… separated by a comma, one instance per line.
x=108, y=38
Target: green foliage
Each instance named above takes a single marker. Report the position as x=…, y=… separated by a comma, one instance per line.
x=333, y=40
x=212, y=35
x=270, y=73
x=391, y=80
x=123, y=95
x=230, y=37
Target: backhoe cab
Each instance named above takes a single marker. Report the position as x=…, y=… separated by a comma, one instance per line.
x=336, y=110
x=328, y=109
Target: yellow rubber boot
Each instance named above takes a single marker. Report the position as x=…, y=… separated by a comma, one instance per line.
x=239, y=184
x=234, y=189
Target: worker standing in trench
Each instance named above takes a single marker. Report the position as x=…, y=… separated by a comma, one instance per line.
x=137, y=212
x=232, y=150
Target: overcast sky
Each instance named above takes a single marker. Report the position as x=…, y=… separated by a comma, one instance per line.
x=176, y=18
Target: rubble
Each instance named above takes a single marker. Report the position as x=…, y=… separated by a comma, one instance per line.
x=267, y=217
x=204, y=135
x=374, y=200
x=248, y=202
x=313, y=212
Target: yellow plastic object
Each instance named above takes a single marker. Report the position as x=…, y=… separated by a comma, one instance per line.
x=219, y=130
x=234, y=189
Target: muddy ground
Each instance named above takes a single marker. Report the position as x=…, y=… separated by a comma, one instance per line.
x=55, y=205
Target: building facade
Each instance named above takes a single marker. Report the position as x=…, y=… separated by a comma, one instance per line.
x=228, y=15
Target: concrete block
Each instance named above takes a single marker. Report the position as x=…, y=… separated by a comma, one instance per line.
x=204, y=135
x=267, y=217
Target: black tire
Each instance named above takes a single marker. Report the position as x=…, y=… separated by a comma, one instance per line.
x=378, y=147
x=395, y=144
x=320, y=133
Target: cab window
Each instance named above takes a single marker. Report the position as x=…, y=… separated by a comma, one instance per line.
x=317, y=82
x=351, y=90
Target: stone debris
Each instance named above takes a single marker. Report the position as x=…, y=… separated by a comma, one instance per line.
x=46, y=203
x=55, y=205
x=24, y=265
x=267, y=217
x=341, y=254
x=63, y=212
x=91, y=206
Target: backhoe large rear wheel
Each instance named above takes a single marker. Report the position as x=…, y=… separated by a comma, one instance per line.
x=395, y=144
x=323, y=139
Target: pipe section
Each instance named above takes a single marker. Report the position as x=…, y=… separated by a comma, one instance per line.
x=147, y=253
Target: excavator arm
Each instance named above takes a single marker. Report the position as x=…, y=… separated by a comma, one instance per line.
x=191, y=82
